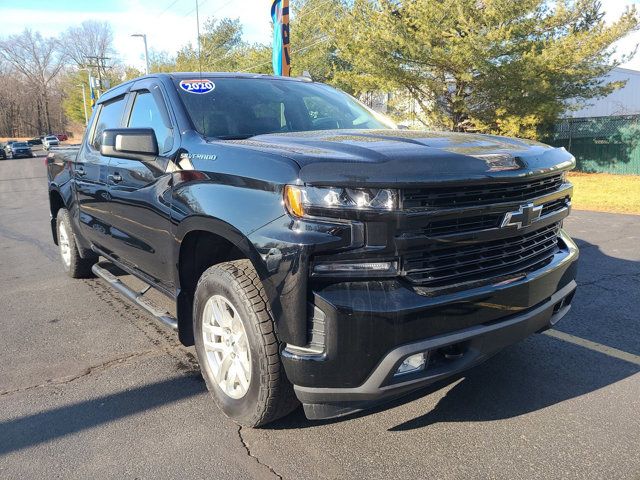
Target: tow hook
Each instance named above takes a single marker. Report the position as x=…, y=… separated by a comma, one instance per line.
x=452, y=352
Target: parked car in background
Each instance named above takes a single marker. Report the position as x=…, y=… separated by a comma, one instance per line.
x=62, y=137
x=35, y=141
x=21, y=149
x=7, y=147
x=50, y=141
x=3, y=154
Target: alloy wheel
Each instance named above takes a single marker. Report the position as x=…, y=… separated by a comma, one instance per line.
x=226, y=346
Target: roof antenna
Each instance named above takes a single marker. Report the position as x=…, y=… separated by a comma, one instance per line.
x=306, y=76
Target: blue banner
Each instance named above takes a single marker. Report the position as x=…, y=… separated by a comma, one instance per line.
x=276, y=56
x=281, y=57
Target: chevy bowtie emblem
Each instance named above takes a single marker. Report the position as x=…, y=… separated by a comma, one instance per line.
x=525, y=216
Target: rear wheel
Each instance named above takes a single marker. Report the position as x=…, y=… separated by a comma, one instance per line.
x=74, y=265
x=237, y=348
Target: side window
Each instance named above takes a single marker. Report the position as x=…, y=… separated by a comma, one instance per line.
x=146, y=114
x=109, y=117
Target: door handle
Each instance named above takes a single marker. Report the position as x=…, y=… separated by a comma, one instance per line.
x=80, y=171
x=115, y=178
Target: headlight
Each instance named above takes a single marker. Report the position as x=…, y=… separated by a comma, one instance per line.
x=303, y=201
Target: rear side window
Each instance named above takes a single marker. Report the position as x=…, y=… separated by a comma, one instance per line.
x=109, y=117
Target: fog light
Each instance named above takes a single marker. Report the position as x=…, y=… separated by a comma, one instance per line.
x=356, y=268
x=411, y=364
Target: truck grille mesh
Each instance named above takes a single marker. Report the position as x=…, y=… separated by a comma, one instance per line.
x=471, y=195
x=447, y=265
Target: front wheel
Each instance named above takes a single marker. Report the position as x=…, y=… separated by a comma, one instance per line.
x=237, y=346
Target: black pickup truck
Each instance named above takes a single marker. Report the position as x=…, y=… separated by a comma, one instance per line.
x=316, y=253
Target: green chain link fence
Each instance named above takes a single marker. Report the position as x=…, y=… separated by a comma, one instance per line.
x=601, y=144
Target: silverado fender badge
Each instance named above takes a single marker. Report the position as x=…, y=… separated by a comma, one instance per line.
x=198, y=156
x=523, y=217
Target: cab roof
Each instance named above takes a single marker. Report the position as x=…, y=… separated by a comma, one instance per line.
x=124, y=87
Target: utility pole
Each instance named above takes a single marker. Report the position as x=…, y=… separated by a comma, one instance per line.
x=100, y=65
x=146, y=52
x=84, y=104
x=198, y=33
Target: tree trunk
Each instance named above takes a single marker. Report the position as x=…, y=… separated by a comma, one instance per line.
x=39, y=118
x=47, y=114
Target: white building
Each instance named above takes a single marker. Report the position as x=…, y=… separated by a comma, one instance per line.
x=624, y=101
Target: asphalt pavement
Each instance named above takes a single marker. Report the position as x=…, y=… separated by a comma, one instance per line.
x=92, y=387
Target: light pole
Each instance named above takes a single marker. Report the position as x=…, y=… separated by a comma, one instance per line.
x=146, y=52
x=84, y=104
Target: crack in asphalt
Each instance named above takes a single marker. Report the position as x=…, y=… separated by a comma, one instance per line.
x=46, y=248
x=86, y=372
x=597, y=281
x=20, y=179
x=159, y=335
x=248, y=450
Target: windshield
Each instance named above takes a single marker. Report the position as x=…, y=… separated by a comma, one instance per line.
x=235, y=108
x=52, y=138
x=20, y=144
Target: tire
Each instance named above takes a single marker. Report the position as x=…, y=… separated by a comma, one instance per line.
x=73, y=264
x=268, y=393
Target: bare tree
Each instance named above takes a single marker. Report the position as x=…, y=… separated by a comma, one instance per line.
x=90, y=43
x=38, y=60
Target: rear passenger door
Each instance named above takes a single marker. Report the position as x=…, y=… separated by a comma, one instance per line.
x=140, y=192
x=90, y=175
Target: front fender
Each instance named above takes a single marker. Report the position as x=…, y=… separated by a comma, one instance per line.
x=221, y=228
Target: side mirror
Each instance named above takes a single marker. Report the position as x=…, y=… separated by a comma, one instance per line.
x=130, y=143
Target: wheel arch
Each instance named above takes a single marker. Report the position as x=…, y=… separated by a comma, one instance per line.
x=200, y=243
x=56, y=202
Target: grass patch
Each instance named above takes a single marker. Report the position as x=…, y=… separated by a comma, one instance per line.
x=603, y=192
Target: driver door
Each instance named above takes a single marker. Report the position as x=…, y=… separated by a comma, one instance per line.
x=140, y=192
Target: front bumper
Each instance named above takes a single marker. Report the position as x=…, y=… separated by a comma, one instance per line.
x=369, y=328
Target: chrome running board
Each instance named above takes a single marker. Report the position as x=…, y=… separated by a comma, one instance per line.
x=134, y=296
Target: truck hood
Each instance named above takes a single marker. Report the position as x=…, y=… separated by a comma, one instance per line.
x=406, y=157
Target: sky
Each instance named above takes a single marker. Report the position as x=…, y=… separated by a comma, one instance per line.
x=170, y=24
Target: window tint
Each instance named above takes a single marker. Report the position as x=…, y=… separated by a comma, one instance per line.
x=109, y=117
x=241, y=108
x=146, y=114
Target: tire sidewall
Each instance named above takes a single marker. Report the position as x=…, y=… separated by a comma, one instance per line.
x=223, y=283
x=63, y=218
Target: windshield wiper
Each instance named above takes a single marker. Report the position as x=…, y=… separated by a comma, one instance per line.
x=234, y=137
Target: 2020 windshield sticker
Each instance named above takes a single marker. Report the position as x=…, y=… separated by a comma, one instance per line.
x=197, y=86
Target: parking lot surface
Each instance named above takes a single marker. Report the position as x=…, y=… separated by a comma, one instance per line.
x=92, y=387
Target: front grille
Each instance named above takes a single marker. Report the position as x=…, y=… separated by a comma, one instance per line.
x=555, y=205
x=458, y=225
x=447, y=265
x=449, y=197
